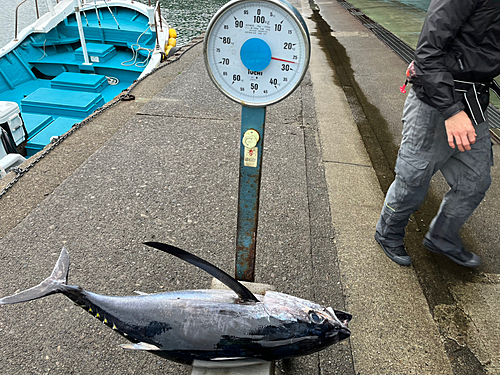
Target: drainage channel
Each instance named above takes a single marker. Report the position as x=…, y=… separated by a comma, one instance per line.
x=442, y=304
x=406, y=53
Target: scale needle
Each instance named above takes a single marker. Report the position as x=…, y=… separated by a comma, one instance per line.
x=275, y=58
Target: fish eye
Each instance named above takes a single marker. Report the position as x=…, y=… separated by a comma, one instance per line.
x=315, y=318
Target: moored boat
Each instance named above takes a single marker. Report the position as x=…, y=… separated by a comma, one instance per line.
x=71, y=61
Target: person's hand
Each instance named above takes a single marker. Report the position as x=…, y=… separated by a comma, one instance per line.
x=460, y=131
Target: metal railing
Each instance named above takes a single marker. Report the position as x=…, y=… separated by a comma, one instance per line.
x=157, y=11
x=17, y=12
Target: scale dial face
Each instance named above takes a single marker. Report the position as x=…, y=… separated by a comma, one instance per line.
x=257, y=52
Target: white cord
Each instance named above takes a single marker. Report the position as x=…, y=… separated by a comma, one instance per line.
x=135, y=53
x=44, y=54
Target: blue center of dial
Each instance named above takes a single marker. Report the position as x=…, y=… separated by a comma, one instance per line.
x=255, y=54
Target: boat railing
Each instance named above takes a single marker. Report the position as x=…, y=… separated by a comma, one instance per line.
x=17, y=12
x=157, y=17
x=157, y=12
x=17, y=15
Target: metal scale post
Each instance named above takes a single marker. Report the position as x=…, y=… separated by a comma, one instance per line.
x=252, y=141
x=257, y=53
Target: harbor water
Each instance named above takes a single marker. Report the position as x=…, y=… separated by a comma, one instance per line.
x=403, y=18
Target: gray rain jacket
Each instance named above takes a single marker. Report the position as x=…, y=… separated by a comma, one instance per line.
x=460, y=40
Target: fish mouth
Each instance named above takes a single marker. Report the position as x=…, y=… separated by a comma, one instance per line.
x=343, y=319
x=340, y=316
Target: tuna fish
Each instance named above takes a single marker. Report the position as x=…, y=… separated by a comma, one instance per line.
x=205, y=326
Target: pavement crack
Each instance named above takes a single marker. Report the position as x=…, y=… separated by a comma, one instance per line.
x=344, y=163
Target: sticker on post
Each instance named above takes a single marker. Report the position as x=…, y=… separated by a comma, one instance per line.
x=251, y=155
x=250, y=138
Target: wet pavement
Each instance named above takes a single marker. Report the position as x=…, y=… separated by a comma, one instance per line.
x=165, y=167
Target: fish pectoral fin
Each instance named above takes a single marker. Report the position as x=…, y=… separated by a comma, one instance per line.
x=228, y=358
x=141, y=293
x=140, y=346
x=216, y=272
x=228, y=362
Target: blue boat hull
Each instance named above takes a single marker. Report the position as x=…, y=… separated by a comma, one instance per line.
x=46, y=73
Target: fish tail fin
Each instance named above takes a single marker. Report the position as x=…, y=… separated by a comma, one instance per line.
x=53, y=284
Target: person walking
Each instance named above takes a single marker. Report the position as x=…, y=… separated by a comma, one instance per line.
x=445, y=127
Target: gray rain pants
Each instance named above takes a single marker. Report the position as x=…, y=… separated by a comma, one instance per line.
x=424, y=151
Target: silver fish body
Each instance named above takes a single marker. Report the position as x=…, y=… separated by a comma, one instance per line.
x=205, y=325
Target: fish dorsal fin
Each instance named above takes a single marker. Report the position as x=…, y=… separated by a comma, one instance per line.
x=224, y=278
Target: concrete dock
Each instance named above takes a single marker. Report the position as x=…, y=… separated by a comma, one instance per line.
x=164, y=167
